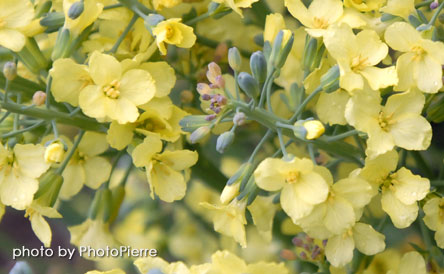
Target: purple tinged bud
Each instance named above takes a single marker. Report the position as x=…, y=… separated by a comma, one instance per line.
x=297, y=242
x=203, y=88
x=306, y=247
x=210, y=117
x=303, y=255
x=434, y=5
x=316, y=252
x=206, y=97
x=239, y=118
x=217, y=109
x=324, y=242
x=220, y=81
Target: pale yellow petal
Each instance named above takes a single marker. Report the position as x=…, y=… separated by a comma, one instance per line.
x=410, y=188
x=402, y=215
x=168, y=184
x=179, y=159
x=331, y=107
x=73, y=180
x=97, y=171
x=30, y=159
x=412, y=133
x=432, y=213
x=428, y=74
x=293, y=205
x=268, y=176
x=119, y=136
x=92, y=101
x=351, y=81
x=339, y=216
x=18, y=190
x=312, y=188
x=401, y=36
x=379, y=78
x=41, y=229
x=137, y=86
x=163, y=75
x=143, y=153
x=355, y=190
x=412, y=263
x=104, y=68
x=93, y=143
x=339, y=250
x=405, y=68
x=12, y=39
x=367, y=239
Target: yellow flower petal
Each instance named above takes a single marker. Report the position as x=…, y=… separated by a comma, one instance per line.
x=17, y=191
x=30, y=159
x=73, y=179
x=97, y=64
x=401, y=36
x=412, y=263
x=367, y=239
x=179, y=159
x=137, y=85
x=292, y=204
x=339, y=250
x=339, y=215
x=143, y=153
x=93, y=143
x=119, y=136
x=428, y=74
x=402, y=215
x=41, y=229
x=12, y=39
x=97, y=171
x=379, y=78
x=163, y=75
x=409, y=187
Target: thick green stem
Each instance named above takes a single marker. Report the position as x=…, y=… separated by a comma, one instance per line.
x=60, y=117
x=341, y=136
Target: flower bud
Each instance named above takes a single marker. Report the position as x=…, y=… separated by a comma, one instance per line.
x=314, y=129
x=220, y=81
x=62, y=44
x=281, y=48
x=224, y=140
x=76, y=10
x=434, y=5
x=414, y=21
x=199, y=133
x=192, y=122
x=203, y=88
x=258, y=66
x=330, y=80
x=229, y=192
x=10, y=70
x=54, y=153
x=53, y=20
x=239, y=118
x=299, y=130
x=234, y=59
x=248, y=84
x=49, y=187
x=310, y=53
x=213, y=71
x=39, y=98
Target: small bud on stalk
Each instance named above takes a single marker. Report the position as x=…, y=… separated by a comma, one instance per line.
x=54, y=153
x=234, y=59
x=199, y=134
x=224, y=140
x=258, y=66
x=314, y=129
x=76, y=10
x=248, y=84
x=39, y=98
x=10, y=70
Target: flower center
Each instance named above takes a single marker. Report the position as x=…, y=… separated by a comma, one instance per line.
x=418, y=51
x=112, y=90
x=169, y=32
x=384, y=121
x=292, y=177
x=320, y=23
x=358, y=63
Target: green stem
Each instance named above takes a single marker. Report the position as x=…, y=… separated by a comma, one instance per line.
x=124, y=33
x=265, y=90
x=48, y=92
x=279, y=151
x=260, y=144
x=197, y=19
x=17, y=132
x=236, y=84
x=5, y=97
x=17, y=115
x=5, y=116
x=70, y=154
x=311, y=152
x=54, y=129
x=281, y=142
x=48, y=115
x=341, y=136
x=436, y=14
x=302, y=106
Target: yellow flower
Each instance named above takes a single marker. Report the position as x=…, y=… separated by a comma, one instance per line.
x=159, y=265
x=14, y=14
x=35, y=213
x=225, y=262
x=357, y=56
x=236, y=5
x=19, y=170
x=160, y=4
x=164, y=170
x=274, y=22
x=314, y=129
x=54, y=153
x=301, y=186
x=411, y=263
x=173, y=32
x=401, y=8
x=434, y=218
x=361, y=5
x=400, y=190
x=115, y=93
x=262, y=211
x=342, y=208
x=320, y=15
x=339, y=248
x=161, y=117
x=68, y=79
x=397, y=123
x=230, y=220
x=330, y=107
x=420, y=65
x=94, y=234
x=92, y=10
x=85, y=166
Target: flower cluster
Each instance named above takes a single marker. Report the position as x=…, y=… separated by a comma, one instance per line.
x=281, y=136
